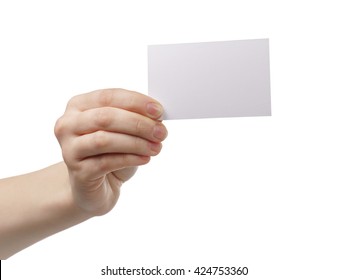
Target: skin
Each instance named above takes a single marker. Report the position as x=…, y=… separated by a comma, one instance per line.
x=104, y=136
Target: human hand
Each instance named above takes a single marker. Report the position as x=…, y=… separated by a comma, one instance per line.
x=104, y=136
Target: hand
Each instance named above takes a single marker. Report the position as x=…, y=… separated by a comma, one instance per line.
x=104, y=136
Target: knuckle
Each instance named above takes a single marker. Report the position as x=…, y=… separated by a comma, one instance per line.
x=72, y=101
x=71, y=154
x=105, y=97
x=132, y=100
x=60, y=127
x=103, y=118
x=68, y=157
x=138, y=127
x=100, y=139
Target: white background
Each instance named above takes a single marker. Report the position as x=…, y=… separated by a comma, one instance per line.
x=267, y=193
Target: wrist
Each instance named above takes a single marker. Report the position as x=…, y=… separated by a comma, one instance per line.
x=37, y=205
x=67, y=202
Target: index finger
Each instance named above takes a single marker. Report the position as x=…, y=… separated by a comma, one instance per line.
x=118, y=98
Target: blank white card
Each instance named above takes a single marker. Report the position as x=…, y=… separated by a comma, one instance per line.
x=211, y=80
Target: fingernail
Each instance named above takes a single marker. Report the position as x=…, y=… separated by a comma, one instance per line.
x=154, y=110
x=160, y=132
x=155, y=148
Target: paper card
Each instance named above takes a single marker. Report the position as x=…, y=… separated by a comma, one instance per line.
x=211, y=80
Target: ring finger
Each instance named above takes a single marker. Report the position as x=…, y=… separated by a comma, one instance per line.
x=104, y=142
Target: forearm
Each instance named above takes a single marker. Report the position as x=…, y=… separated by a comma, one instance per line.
x=34, y=206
